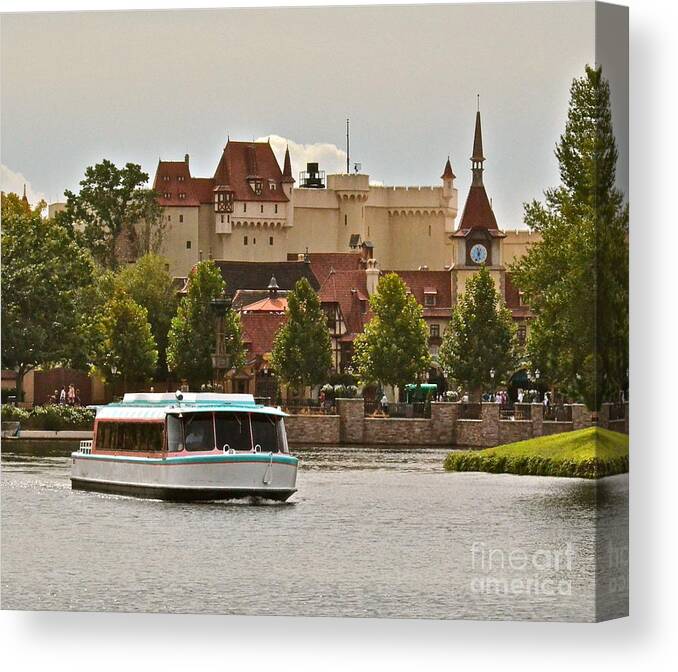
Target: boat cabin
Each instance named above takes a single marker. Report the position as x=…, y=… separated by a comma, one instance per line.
x=165, y=423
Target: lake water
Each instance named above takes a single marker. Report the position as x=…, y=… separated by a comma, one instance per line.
x=371, y=532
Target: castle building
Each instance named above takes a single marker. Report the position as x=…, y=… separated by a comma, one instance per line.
x=251, y=210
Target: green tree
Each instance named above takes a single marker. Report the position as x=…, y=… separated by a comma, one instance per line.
x=393, y=349
x=302, y=351
x=124, y=341
x=113, y=211
x=150, y=285
x=192, y=338
x=479, y=338
x=576, y=278
x=43, y=273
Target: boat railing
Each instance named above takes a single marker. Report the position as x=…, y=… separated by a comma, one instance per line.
x=86, y=447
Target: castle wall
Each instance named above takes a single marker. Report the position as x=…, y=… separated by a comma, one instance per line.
x=178, y=235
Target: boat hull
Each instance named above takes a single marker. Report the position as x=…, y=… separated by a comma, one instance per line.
x=188, y=478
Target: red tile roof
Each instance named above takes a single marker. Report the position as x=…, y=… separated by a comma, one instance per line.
x=267, y=305
x=243, y=160
x=259, y=331
x=424, y=282
x=478, y=214
x=174, y=178
x=447, y=173
x=323, y=262
x=349, y=290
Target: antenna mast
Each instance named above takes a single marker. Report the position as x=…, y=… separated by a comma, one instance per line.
x=348, y=148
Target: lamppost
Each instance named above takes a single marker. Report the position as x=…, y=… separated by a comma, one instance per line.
x=114, y=371
x=536, y=377
x=492, y=374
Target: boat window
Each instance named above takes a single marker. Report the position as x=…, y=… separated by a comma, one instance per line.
x=175, y=434
x=129, y=436
x=199, y=432
x=265, y=432
x=282, y=435
x=233, y=431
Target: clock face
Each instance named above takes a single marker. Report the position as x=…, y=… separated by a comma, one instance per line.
x=478, y=253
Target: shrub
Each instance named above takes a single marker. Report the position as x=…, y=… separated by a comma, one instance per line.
x=13, y=413
x=57, y=417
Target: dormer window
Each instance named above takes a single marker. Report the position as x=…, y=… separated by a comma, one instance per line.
x=181, y=178
x=256, y=185
x=165, y=178
x=271, y=185
x=182, y=196
x=363, y=306
x=167, y=195
x=430, y=296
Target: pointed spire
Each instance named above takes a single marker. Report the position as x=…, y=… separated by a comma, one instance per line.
x=25, y=198
x=447, y=173
x=477, y=158
x=287, y=167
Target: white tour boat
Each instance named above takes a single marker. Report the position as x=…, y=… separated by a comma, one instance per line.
x=186, y=447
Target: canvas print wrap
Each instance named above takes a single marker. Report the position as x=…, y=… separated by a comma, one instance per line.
x=298, y=321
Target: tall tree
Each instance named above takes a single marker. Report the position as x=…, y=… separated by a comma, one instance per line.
x=125, y=341
x=113, y=212
x=149, y=283
x=480, y=337
x=43, y=273
x=393, y=349
x=302, y=353
x=192, y=340
x=576, y=278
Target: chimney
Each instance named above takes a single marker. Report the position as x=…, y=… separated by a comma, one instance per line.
x=372, y=273
x=186, y=158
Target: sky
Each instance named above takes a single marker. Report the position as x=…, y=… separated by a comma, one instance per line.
x=142, y=85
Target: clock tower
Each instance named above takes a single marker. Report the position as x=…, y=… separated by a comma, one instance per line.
x=477, y=240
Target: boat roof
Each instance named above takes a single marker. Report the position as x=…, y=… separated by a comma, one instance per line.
x=156, y=405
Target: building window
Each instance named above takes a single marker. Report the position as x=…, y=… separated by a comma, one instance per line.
x=244, y=207
x=167, y=267
x=181, y=178
x=244, y=240
x=270, y=240
x=188, y=244
x=261, y=207
x=276, y=208
x=435, y=331
x=254, y=240
x=363, y=306
x=169, y=218
x=429, y=230
x=429, y=299
x=345, y=220
x=222, y=219
x=165, y=178
x=167, y=195
x=181, y=218
x=182, y=196
x=271, y=185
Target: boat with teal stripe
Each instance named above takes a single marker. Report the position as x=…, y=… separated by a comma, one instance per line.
x=187, y=447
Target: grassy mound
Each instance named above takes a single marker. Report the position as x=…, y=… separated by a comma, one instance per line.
x=587, y=453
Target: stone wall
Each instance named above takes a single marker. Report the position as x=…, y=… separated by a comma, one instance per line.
x=444, y=428
x=316, y=429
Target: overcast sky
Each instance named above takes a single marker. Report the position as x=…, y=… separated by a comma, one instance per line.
x=136, y=86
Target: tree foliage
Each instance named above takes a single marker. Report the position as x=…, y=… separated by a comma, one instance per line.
x=576, y=278
x=302, y=353
x=480, y=337
x=124, y=341
x=393, y=349
x=113, y=212
x=192, y=338
x=43, y=274
x=149, y=283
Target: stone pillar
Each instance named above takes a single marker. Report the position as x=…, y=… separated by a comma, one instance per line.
x=537, y=414
x=351, y=420
x=444, y=422
x=579, y=417
x=604, y=416
x=489, y=418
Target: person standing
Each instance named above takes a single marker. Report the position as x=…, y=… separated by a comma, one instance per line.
x=62, y=395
